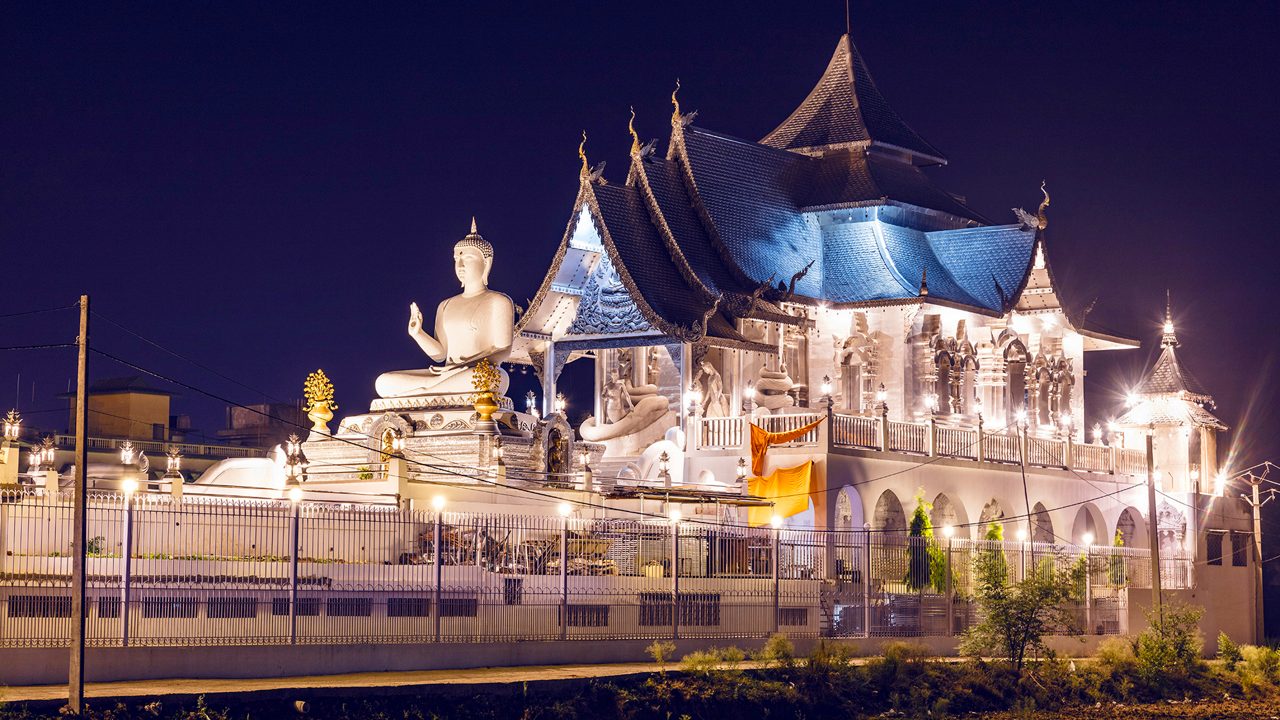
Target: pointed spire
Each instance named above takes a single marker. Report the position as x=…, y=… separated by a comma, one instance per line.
x=582, y=155
x=1041, y=214
x=675, y=105
x=631, y=128
x=924, y=282
x=1170, y=339
x=473, y=224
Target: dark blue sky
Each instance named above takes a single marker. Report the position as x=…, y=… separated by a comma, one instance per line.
x=265, y=187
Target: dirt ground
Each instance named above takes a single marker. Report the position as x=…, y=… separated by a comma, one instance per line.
x=1268, y=709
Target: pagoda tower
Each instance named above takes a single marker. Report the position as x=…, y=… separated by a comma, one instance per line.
x=1175, y=408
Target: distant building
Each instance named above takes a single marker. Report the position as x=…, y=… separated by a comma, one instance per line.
x=124, y=407
x=263, y=425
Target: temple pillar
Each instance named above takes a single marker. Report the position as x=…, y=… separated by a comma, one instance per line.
x=549, y=377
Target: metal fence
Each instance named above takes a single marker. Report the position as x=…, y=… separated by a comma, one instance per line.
x=205, y=571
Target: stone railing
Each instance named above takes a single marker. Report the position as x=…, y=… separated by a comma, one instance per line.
x=1002, y=445
x=722, y=433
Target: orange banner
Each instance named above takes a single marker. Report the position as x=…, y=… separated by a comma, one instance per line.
x=788, y=488
x=761, y=439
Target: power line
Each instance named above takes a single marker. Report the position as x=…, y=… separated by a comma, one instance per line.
x=38, y=312
x=46, y=346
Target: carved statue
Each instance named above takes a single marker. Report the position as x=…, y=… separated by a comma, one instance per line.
x=617, y=401
x=772, y=388
x=474, y=325
x=714, y=402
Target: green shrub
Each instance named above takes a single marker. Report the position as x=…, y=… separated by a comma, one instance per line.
x=1116, y=653
x=777, y=651
x=1168, y=651
x=1228, y=651
x=661, y=651
x=732, y=657
x=1260, y=667
x=701, y=662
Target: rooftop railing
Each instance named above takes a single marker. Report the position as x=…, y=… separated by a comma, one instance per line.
x=933, y=439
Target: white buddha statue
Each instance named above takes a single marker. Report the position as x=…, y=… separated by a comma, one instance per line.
x=475, y=325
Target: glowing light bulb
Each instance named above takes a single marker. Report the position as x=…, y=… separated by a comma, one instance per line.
x=437, y=503
x=776, y=521
x=674, y=515
x=565, y=509
x=1087, y=538
x=948, y=531
x=295, y=495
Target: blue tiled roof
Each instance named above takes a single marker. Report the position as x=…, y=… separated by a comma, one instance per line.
x=855, y=269
x=677, y=209
x=980, y=259
x=747, y=190
x=911, y=255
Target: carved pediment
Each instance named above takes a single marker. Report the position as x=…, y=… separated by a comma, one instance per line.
x=606, y=307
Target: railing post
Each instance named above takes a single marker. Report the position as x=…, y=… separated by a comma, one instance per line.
x=981, y=452
x=884, y=429
x=1067, y=448
x=564, y=578
x=675, y=580
x=295, y=520
x=931, y=440
x=437, y=565
x=1111, y=457
x=951, y=594
x=1088, y=592
x=866, y=580
x=125, y=568
x=777, y=575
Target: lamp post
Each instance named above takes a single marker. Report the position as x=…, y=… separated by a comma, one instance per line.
x=741, y=471
x=882, y=410
x=130, y=486
x=664, y=469
x=437, y=504
x=531, y=404
x=12, y=426
x=562, y=403
x=295, y=521
x=826, y=391
x=565, y=509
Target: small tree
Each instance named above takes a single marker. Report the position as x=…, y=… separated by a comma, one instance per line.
x=927, y=564
x=1017, y=616
x=1116, y=570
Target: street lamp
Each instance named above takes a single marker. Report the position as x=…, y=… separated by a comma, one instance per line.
x=173, y=464
x=561, y=403
x=742, y=469
x=127, y=452
x=776, y=521
x=675, y=516
x=826, y=389
x=295, y=495
x=12, y=425
x=948, y=531
x=437, y=503
x=295, y=462
x=398, y=443
x=565, y=509
x=1087, y=539
x=882, y=400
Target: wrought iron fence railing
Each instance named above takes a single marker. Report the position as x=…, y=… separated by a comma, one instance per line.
x=215, y=571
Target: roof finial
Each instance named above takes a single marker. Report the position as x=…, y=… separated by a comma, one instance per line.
x=582, y=155
x=1044, y=205
x=1170, y=339
x=631, y=128
x=924, y=282
x=675, y=104
x=473, y=224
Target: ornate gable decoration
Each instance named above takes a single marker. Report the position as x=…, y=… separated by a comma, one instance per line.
x=606, y=307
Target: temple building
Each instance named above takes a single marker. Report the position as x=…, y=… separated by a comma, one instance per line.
x=798, y=343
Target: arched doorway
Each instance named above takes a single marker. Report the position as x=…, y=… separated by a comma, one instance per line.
x=889, y=516
x=1089, y=526
x=1132, y=529
x=1041, y=524
x=949, y=512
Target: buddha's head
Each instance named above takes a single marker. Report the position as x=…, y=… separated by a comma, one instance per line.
x=473, y=258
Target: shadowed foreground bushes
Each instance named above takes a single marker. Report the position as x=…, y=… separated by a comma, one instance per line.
x=830, y=683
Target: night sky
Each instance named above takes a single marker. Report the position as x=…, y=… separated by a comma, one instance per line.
x=263, y=188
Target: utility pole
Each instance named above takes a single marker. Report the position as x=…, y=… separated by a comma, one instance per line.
x=75, y=674
x=1153, y=530
x=1259, y=628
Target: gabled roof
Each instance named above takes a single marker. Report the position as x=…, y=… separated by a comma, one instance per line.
x=846, y=108
x=857, y=177
x=1168, y=376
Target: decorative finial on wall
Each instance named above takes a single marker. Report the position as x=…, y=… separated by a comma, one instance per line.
x=924, y=282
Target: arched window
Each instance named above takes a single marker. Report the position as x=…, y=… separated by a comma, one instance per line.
x=1015, y=388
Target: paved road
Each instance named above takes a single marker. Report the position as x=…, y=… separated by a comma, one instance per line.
x=390, y=681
